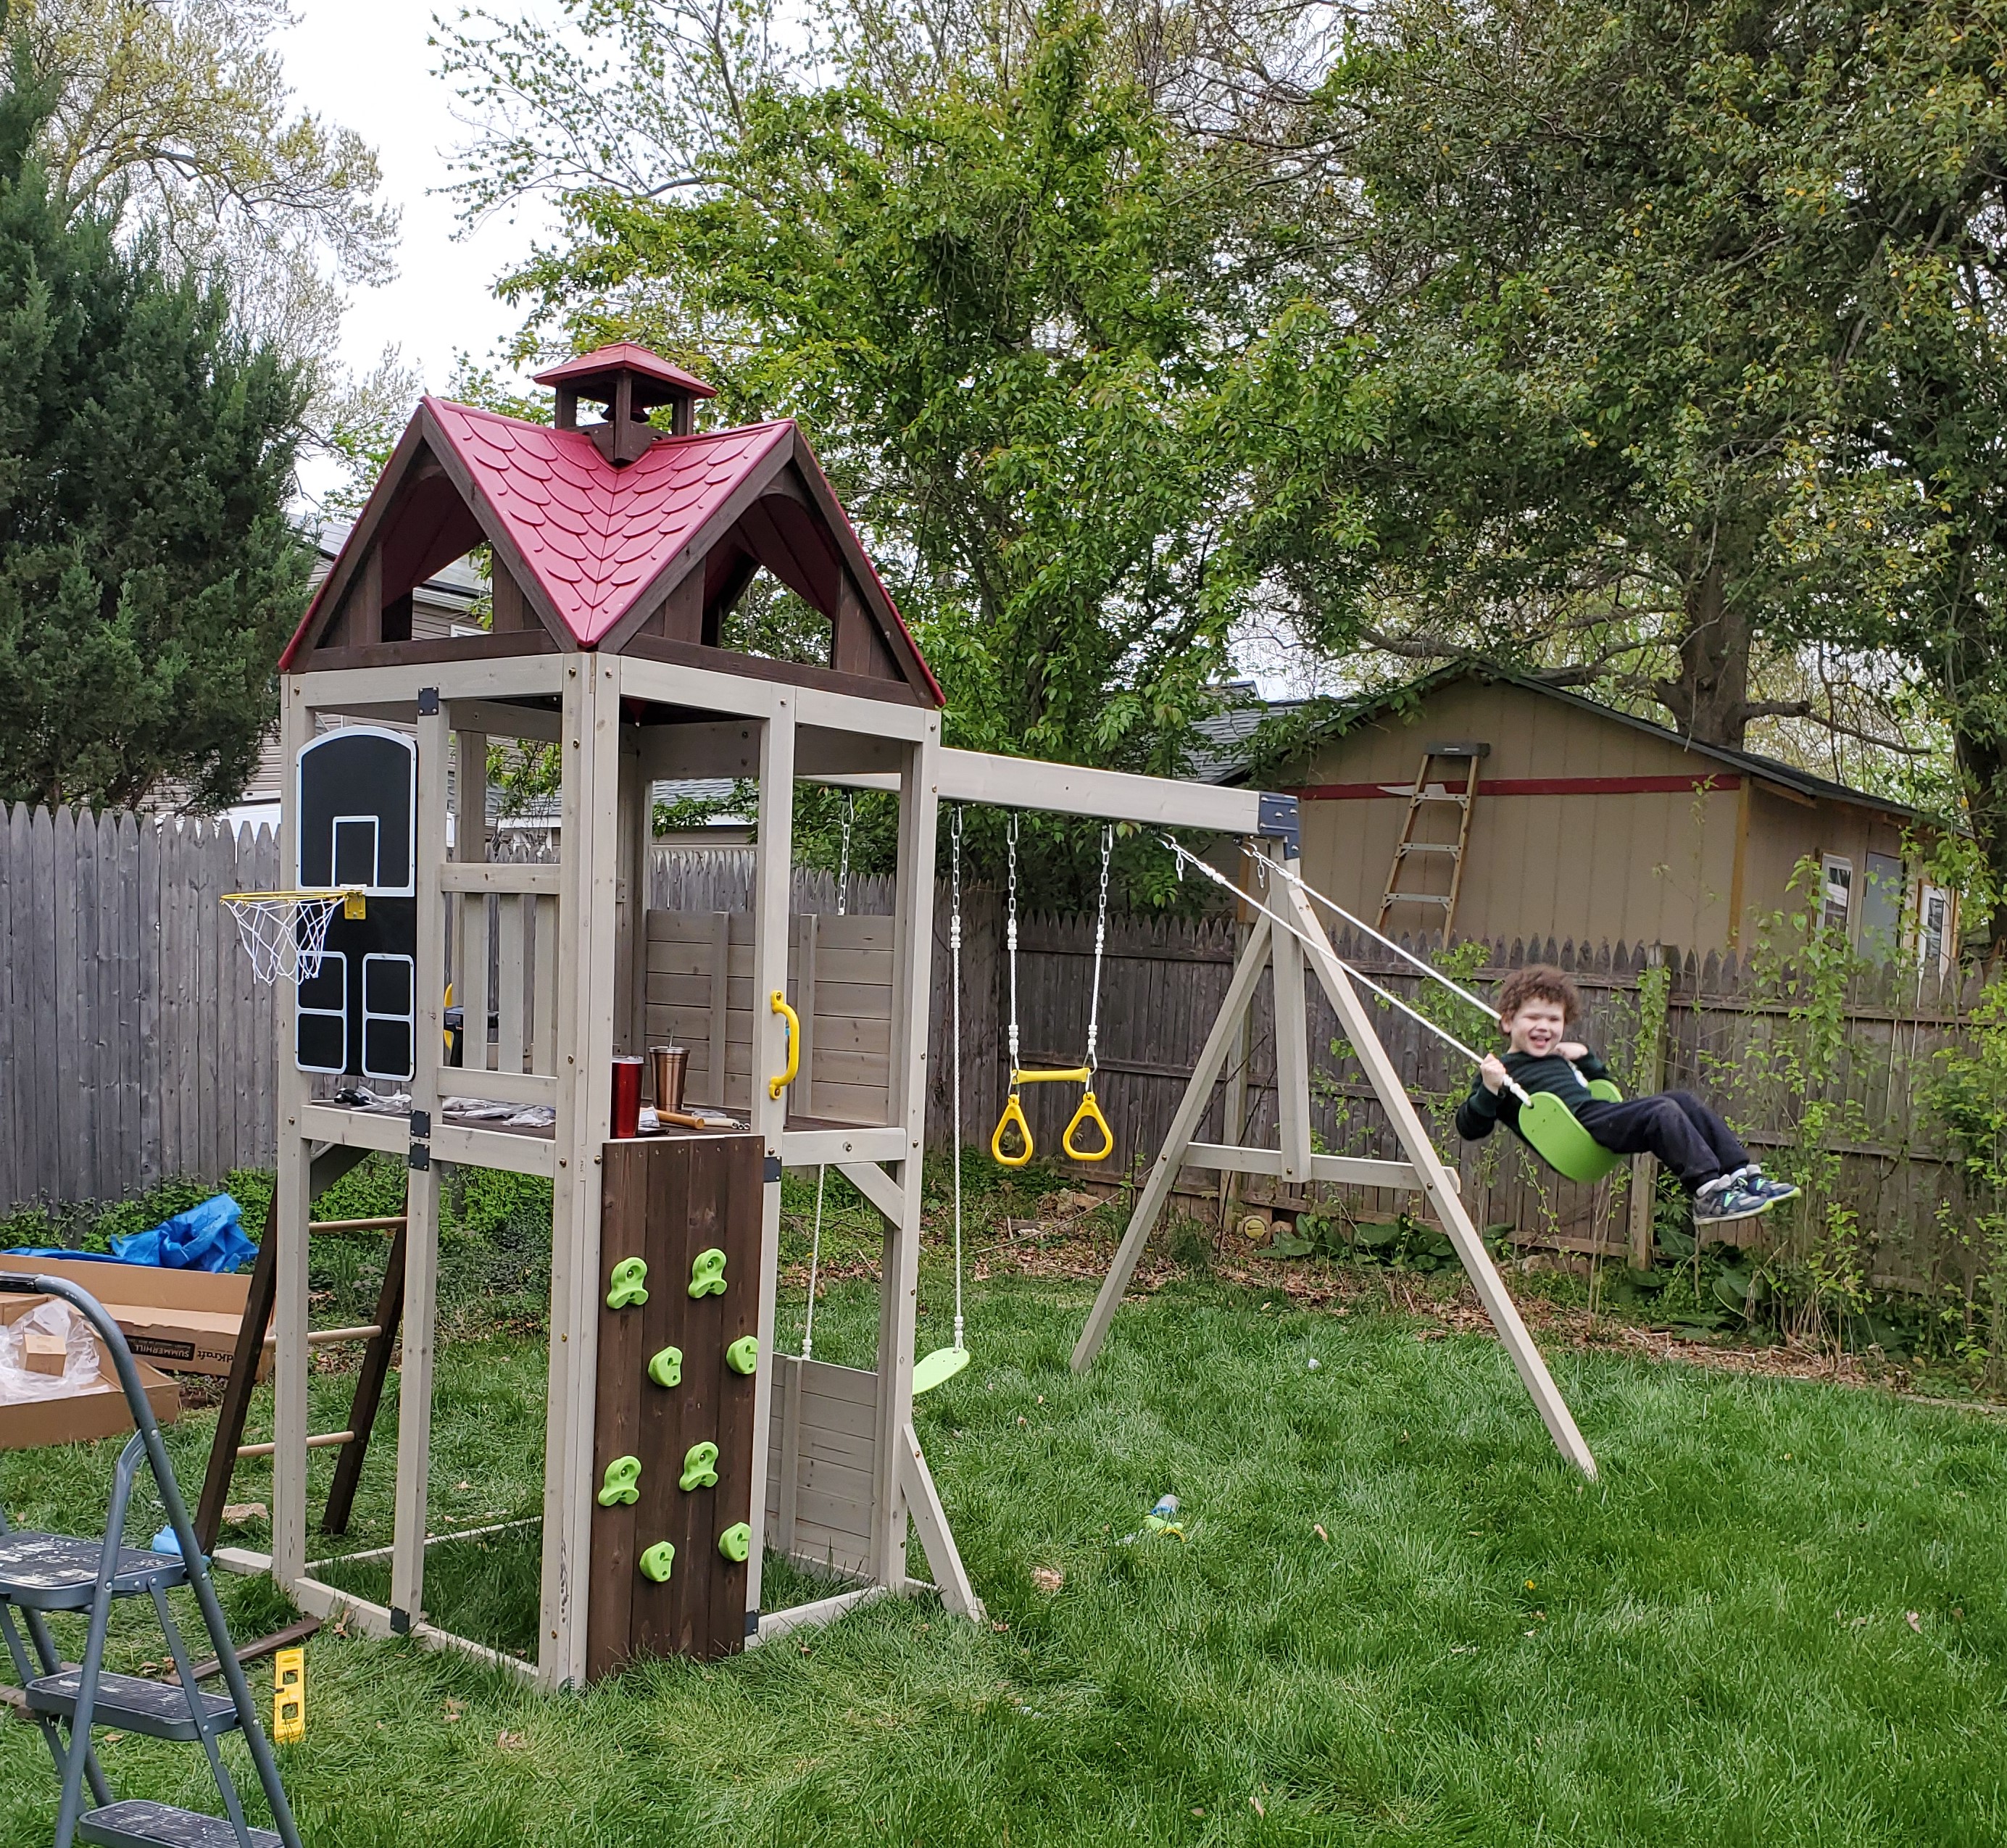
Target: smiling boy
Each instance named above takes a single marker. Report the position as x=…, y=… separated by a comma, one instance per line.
x=1536, y=1008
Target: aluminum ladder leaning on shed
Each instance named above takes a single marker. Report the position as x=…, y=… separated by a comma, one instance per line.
x=44, y=1572
x=1471, y=756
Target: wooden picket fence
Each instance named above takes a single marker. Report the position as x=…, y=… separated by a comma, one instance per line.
x=137, y=1046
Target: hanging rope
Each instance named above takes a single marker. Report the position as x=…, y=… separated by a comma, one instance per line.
x=954, y=1016
x=1187, y=857
x=1100, y=938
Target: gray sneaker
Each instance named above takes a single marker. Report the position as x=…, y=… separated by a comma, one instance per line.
x=1773, y=1190
x=1734, y=1197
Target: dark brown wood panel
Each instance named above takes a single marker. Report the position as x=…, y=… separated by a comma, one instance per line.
x=667, y=1199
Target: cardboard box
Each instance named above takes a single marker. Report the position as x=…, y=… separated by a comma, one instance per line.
x=101, y=1412
x=186, y=1321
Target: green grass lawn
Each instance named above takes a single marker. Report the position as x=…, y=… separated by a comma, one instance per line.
x=1776, y=1619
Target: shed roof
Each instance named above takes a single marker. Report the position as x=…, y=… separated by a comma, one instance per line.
x=1221, y=753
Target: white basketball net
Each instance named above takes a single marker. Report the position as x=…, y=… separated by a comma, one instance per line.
x=283, y=933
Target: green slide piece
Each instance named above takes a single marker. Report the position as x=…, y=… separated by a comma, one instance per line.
x=931, y=1370
x=708, y=1273
x=629, y=1276
x=658, y=1562
x=623, y=1482
x=743, y=1355
x=667, y=1367
x=735, y=1542
x=701, y=1467
x=1550, y=1129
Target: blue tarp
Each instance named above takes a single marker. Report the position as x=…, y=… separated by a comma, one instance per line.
x=208, y=1237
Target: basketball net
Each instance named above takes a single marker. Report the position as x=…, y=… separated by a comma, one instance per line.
x=285, y=933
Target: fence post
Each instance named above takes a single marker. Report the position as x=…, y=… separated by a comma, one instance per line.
x=1651, y=1068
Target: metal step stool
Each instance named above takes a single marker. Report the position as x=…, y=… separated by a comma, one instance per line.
x=42, y=1572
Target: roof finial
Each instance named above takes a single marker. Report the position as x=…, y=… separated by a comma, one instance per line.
x=630, y=381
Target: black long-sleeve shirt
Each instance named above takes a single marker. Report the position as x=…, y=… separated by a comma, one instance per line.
x=1478, y=1113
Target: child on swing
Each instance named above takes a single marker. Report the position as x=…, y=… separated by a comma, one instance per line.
x=1535, y=1007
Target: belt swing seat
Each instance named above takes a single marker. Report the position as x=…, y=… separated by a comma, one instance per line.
x=1545, y=1125
x=1012, y=1124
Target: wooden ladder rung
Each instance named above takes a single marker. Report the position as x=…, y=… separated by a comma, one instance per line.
x=391, y=1224
x=1427, y=847
x=320, y=1338
x=326, y=1441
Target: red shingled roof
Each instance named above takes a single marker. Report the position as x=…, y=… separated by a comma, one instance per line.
x=597, y=536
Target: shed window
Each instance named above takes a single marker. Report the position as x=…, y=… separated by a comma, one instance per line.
x=1882, y=906
x=1837, y=886
x=1933, y=918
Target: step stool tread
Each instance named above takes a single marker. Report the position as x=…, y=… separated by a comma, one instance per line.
x=137, y=1823
x=159, y=1709
x=58, y=1572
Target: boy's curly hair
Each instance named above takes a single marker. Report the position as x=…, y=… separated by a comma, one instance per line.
x=1541, y=982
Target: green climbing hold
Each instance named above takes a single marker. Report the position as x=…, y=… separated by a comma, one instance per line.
x=743, y=1355
x=623, y=1482
x=735, y=1542
x=701, y=1467
x=629, y=1277
x=667, y=1367
x=658, y=1562
x=707, y=1274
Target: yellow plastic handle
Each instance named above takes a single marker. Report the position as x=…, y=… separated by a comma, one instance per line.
x=776, y=1086
x=1072, y=1074
x=1013, y=1118
x=1089, y=1112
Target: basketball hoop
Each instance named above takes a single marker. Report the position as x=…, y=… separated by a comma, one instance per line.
x=285, y=933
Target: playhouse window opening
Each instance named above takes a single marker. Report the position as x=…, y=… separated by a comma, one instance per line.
x=771, y=622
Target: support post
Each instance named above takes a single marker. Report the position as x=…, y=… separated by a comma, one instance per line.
x=773, y=891
x=900, y=1273
x=589, y=738
x=1184, y=1125
x=1436, y=1184
x=415, y=1387
x=291, y=1203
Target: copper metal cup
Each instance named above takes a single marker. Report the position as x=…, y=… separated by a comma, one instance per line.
x=672, y=1068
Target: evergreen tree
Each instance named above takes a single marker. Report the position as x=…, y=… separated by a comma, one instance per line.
x=148, y=574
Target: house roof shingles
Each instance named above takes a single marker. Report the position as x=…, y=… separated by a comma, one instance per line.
x=596, y=536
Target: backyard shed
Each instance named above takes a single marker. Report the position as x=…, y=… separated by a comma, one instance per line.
x=1543, y=814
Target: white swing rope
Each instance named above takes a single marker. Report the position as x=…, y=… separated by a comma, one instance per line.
x=1406, y=955
x=954, y=1016
x=1010, y=933
x=822, y=1171
x=1185, y=858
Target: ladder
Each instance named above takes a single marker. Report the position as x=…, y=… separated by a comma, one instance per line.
x=1408, y=849
x=41, y=1573
x=254, y=1338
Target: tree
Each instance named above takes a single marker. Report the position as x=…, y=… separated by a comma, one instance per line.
x=1004, y=308
x=173, y=115
x=148, y=575
x=1623, y=289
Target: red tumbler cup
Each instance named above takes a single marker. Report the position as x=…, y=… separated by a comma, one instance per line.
x=627, y=1097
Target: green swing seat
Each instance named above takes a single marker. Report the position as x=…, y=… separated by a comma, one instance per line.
x=1551, y=1128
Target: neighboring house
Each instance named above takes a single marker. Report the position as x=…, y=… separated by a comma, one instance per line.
x=1586, y=824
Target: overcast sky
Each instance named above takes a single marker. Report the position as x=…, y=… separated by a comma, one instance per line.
x=365, y=64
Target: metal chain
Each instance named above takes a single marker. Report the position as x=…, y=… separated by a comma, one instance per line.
x=843, y=865
x=1100, y=937
x=954, y=992
x=1011, y=932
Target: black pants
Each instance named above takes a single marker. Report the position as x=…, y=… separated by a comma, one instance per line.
x=1674, y=1125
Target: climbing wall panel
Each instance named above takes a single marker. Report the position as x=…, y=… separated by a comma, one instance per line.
x=673, y=1203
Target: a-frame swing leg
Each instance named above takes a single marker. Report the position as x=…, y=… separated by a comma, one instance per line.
x=1436, y=1183
x=1191, y=1110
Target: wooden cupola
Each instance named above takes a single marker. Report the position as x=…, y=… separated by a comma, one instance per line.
x=628, y=382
